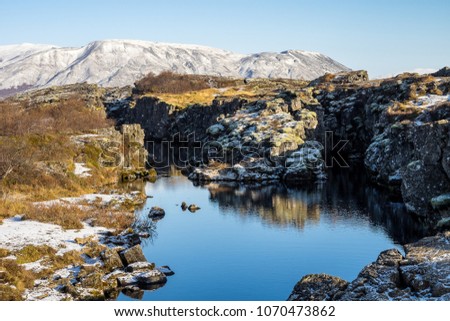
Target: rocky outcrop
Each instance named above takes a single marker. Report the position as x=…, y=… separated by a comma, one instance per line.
x=266, y=140
x=422, y=274
x=318, y=287
x=398, y=127
x=105, y=275
x=444, y=72
x=135, y=153
x=352, y=77
x=162, y=121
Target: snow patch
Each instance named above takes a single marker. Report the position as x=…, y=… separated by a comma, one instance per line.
x=81, y=170
x=431, y=100
x=15, y=234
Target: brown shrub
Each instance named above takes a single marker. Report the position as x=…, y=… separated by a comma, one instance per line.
x=172, y=83
x=9, y=208
x=67, y=216
x=68, y=116
x=70, y=216
x=15, y=280
x=3, y=253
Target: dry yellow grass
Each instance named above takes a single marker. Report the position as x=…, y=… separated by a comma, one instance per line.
x=200, y=97
x=70, y=216
x=3, y=253
x=203, y=97
x=15, y=279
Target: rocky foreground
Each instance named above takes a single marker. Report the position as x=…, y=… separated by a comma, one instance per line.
x=113, y=265
x=422, y=274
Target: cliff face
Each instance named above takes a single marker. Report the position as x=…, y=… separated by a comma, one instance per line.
x=397, y=127
x=400, y=128
x=162, y=121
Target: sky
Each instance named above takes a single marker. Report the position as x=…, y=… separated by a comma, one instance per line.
x=383, y=37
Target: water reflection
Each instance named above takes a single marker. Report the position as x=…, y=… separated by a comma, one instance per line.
x=275, y=204
x=254, y=242
x=346, y=195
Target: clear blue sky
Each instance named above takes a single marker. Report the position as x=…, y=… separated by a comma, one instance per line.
x=380, y=36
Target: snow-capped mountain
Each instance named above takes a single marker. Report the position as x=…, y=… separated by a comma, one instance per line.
x=122, y=62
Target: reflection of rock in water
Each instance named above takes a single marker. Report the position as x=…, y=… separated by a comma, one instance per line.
x=275, y=204
x=392, y=215
x=346, y=194
x=133, y=292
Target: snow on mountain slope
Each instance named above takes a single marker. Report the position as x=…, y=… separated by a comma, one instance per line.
x=122, y=62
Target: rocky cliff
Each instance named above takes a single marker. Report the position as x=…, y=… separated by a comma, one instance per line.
x=398, y=127
x=421, y=274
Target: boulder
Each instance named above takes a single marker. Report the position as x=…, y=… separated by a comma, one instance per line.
x=441, y=201
x=192, y=208
x=156, y=212
x=140, y=266
x=151, y=277
x=127, y=279
x=132, y=255
x=317, y=287
x=422, y=274
x=111, y=260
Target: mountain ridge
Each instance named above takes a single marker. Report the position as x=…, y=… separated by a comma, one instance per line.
x=121, y=62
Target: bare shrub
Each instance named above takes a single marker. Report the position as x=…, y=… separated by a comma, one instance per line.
x=70, y=216
x=172, y=83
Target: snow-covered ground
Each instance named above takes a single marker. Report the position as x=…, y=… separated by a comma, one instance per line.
x=122, y=62
x=16, y=233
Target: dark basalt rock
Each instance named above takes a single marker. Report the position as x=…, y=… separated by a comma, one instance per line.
x=317, y=287
x=193, y=208
x=422, y=274
x=444, y=72
x=156, y=212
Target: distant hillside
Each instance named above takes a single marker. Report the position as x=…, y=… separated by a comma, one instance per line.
x=122, y=62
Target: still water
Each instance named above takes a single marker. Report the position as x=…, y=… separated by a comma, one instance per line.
x=255, y=242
